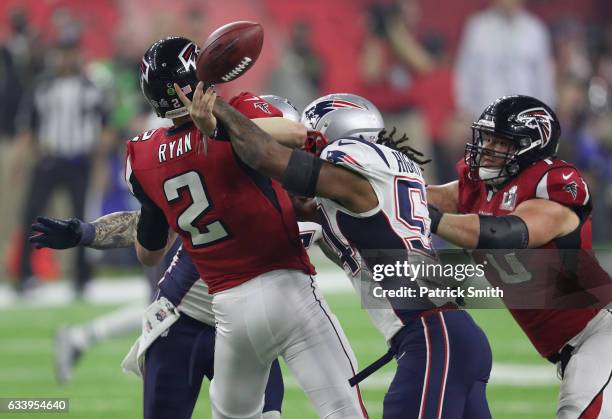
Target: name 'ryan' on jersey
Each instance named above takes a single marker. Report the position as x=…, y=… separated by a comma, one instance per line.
x=234, y=223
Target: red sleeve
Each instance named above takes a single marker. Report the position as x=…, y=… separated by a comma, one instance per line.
x=564, y=185
x=462, y=177
x=254, y=107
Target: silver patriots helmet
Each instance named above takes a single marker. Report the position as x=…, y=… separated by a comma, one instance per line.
x=342, y=115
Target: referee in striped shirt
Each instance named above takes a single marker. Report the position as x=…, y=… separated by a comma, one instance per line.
x=61, y=124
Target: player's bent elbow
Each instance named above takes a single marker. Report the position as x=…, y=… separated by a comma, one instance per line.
x=444, y=197
x=149, y=257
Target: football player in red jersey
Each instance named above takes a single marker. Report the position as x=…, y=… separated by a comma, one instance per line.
x=512, y=193
x=240, y=230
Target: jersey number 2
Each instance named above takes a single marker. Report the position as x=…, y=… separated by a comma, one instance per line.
x=187, y=220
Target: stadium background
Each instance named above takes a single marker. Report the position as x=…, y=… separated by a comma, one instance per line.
x=311, y=48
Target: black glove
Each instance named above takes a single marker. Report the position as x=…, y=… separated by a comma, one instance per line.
x=435, y=216
x=61, y=234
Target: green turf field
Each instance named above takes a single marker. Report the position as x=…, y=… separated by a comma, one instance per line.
x=101, y=390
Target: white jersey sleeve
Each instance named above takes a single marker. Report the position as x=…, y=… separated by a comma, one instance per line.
x=390, y=172
x=310, y=233
x=397, y=229
x=363, y=157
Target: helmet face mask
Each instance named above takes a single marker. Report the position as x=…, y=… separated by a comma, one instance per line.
x=168, y=61
x=502, y=164
x=530, y=128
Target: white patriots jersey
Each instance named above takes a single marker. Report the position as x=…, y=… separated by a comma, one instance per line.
x=399, y=221
x=310, y=233
x=181, y=284
x=399, y=225
x=386, y=321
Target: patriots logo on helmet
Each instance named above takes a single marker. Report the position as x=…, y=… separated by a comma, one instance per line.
x=188, y=56
x=315, y=113
x=538, y=118
x=571, y=188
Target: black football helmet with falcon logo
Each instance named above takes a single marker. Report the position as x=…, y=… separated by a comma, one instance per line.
x=169, y=60
x=529, y=124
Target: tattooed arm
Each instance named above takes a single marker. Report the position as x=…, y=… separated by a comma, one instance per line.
x=114, y=230
x=110, y=231
x=107, y=232
x=259, y=150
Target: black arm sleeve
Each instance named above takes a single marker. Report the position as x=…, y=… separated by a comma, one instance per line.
x=502, y=232
x=152, y=229
x=300, y=177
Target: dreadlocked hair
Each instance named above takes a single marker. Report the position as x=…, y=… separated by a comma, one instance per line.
x=388, y=139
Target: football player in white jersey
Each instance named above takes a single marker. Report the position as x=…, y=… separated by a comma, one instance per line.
x=373, y=208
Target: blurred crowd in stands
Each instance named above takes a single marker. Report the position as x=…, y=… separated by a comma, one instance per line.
x=430, y=66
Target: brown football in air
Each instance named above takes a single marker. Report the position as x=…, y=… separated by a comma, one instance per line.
x=229, y=52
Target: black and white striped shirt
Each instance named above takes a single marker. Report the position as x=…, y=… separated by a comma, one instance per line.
x=65, y=115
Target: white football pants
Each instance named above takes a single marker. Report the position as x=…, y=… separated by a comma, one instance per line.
x=280, y=313
x=586, y=391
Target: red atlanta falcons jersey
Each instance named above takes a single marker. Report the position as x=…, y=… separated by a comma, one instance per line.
x=234, y=223
x=548, y=329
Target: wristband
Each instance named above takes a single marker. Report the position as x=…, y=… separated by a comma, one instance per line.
x=435, y=216
x=88, y=233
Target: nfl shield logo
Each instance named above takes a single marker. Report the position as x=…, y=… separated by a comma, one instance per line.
x=160, y=315
x=509, y=199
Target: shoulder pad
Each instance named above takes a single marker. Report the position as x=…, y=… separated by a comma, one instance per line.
x=144, y=136
x=310, y=233
x=356, y=153
x=253, y=106
x=565, y=185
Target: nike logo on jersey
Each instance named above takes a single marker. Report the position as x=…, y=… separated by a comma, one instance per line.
x=567, y=176
x=344, y=142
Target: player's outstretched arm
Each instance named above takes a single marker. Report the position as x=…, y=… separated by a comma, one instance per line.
x=284, y=131
x=300, y=172
x=534, y=223
x=115, y=230
x=110, y=231
x=444, y=197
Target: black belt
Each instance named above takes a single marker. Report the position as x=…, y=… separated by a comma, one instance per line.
x=372, y=368
x=563, y=356
x=382, y=361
